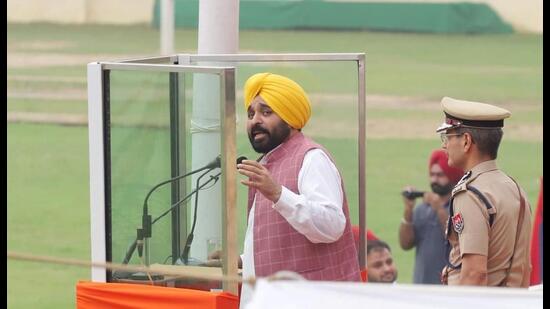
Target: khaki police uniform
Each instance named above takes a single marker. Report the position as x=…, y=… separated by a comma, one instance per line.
x=485, y=212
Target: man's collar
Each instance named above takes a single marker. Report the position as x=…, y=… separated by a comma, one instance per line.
x=483, y=167
x=265, y=157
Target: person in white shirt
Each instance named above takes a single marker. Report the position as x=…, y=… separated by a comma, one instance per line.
x=298, y=218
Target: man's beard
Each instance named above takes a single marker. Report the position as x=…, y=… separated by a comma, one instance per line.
x=441, y=190
x=272, y=139
x=392, y=280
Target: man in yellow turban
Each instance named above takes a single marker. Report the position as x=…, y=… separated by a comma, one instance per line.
x=298, y=218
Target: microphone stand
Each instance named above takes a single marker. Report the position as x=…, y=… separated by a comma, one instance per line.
x=189, y=240
x=185, y=254
x=146, y=218
x=147, y=223
x=215, y=178
x=139, y=236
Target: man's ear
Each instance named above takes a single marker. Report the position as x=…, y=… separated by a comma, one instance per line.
x=467, y=142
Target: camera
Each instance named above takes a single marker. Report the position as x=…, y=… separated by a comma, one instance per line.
x=411, y=195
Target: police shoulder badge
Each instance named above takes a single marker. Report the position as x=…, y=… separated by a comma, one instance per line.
x=458, y=223
x=464, y=177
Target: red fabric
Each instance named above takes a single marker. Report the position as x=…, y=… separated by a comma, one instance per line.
x=92, y=295
x=278, y=246
x=440, y=158
x=370, y=236
x=536, y=243
x=364, y=276
x=355, y=231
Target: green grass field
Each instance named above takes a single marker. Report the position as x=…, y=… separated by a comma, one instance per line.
x=47, y=166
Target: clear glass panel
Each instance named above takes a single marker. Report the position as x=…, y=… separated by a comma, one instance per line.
x=154, y=137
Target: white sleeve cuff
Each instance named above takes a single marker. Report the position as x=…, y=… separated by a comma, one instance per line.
x=286, y=202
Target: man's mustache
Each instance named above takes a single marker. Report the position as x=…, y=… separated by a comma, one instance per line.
x=258, y=129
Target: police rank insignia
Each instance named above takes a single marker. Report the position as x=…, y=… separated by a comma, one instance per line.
x=464, y=177
x=458, y=223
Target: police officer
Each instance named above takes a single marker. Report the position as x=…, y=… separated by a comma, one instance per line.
x=489, y=217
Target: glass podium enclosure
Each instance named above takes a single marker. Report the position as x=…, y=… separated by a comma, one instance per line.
x=154, y=119
x=144, y=175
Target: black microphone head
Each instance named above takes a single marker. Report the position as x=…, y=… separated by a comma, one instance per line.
x=240, y=159
x=217, y=162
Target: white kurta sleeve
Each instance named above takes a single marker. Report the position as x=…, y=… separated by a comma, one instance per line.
x=317, y=211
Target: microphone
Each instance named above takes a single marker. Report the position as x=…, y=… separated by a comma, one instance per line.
x=185, y=254
x=411, y=195
x=146, y=218
x=217, y=162
x=211, y=165
x=145, y=231
x=240, y=159
x=138, y=242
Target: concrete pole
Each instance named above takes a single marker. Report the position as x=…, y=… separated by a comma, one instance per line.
x=218, y=33
x=167, y=27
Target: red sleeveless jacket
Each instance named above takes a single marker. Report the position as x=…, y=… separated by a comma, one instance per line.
x=278, y=246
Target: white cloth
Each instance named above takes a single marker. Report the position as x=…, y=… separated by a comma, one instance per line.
x=336, y=294
x=316, y=212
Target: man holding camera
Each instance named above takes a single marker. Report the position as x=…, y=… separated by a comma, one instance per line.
x=423, y=226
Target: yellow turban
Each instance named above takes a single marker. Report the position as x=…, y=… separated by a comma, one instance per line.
x=285, y=97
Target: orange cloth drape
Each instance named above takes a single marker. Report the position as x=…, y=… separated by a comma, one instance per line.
x=124, y=295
